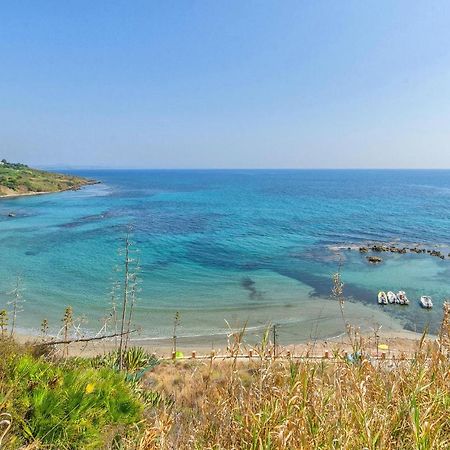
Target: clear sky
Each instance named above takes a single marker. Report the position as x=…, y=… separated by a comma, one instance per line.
x=232, y=84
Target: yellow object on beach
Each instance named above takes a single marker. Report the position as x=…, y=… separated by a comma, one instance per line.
x=383, y=346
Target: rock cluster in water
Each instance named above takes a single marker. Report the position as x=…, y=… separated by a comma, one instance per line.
x=393, y=249
x=374, y=259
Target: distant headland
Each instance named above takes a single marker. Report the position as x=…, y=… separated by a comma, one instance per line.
x=18, y=179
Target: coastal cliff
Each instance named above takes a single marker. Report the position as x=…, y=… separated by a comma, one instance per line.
x=18, y=179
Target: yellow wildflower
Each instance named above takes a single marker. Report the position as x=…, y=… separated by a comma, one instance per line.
x=90, y=388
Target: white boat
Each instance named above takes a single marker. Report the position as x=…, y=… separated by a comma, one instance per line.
x=382, y=299
x=403, y=299
x=426, y=302
x=392, y=298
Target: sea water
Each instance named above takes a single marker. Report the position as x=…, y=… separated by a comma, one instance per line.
x=230, y=248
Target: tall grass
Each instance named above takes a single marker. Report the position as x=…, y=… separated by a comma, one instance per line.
x=260, y=403
x=287, y=404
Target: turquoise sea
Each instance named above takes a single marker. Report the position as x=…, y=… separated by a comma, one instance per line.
x=245, y=246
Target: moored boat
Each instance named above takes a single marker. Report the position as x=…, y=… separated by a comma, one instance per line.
x=403, y=299
x=392, y=298
x=426, y=302
x=382, y=298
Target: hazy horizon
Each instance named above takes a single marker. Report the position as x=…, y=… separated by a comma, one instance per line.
x=235, y=85
x=130, y=168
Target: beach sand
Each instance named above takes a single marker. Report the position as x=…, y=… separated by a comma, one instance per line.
x=393, y=344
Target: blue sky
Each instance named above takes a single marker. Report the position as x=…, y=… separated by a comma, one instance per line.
x=225, y=84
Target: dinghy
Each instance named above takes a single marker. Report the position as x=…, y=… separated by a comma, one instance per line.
x=403, y=299
x=382, y=299
x=392, y=298
x=425, y=302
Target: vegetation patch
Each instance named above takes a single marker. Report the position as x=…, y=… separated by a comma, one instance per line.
x=68, y=403
x=16, y=179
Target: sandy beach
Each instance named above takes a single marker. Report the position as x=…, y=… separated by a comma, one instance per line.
x=392, y=344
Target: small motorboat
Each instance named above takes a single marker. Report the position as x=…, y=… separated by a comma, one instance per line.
x=382, y=298
x=426, y=302
x=403, y=299
x=392, y=298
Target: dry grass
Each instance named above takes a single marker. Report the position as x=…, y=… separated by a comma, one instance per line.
x=284, y=404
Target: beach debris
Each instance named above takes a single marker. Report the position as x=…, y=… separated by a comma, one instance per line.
x=383, y=347
x=356, y=357
x=374, y=259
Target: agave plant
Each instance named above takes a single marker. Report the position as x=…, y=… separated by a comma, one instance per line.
x=134, y=359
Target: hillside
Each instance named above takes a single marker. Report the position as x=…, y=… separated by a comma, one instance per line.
x=19, y=179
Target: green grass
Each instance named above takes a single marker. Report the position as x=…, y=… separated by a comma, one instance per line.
x=65, y=405
x=21, y=179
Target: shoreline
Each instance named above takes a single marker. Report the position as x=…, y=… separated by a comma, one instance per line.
x=363, y=321
x=32, y=194
x=398, y=343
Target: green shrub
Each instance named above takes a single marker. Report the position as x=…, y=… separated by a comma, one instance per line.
x=64, y=406
x=134, y=359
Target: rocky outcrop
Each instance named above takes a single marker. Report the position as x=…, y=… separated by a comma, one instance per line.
x=391, y=248
x=374, y=259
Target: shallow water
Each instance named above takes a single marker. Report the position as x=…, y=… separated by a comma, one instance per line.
x=246, y=246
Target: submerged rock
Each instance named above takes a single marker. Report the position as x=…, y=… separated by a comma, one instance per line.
x=374, y=259
x=363, y=249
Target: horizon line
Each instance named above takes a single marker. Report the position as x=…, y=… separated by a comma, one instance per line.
x=93, y=167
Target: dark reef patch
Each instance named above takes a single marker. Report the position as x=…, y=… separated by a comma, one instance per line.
x=86, y=220
x=249, y=285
